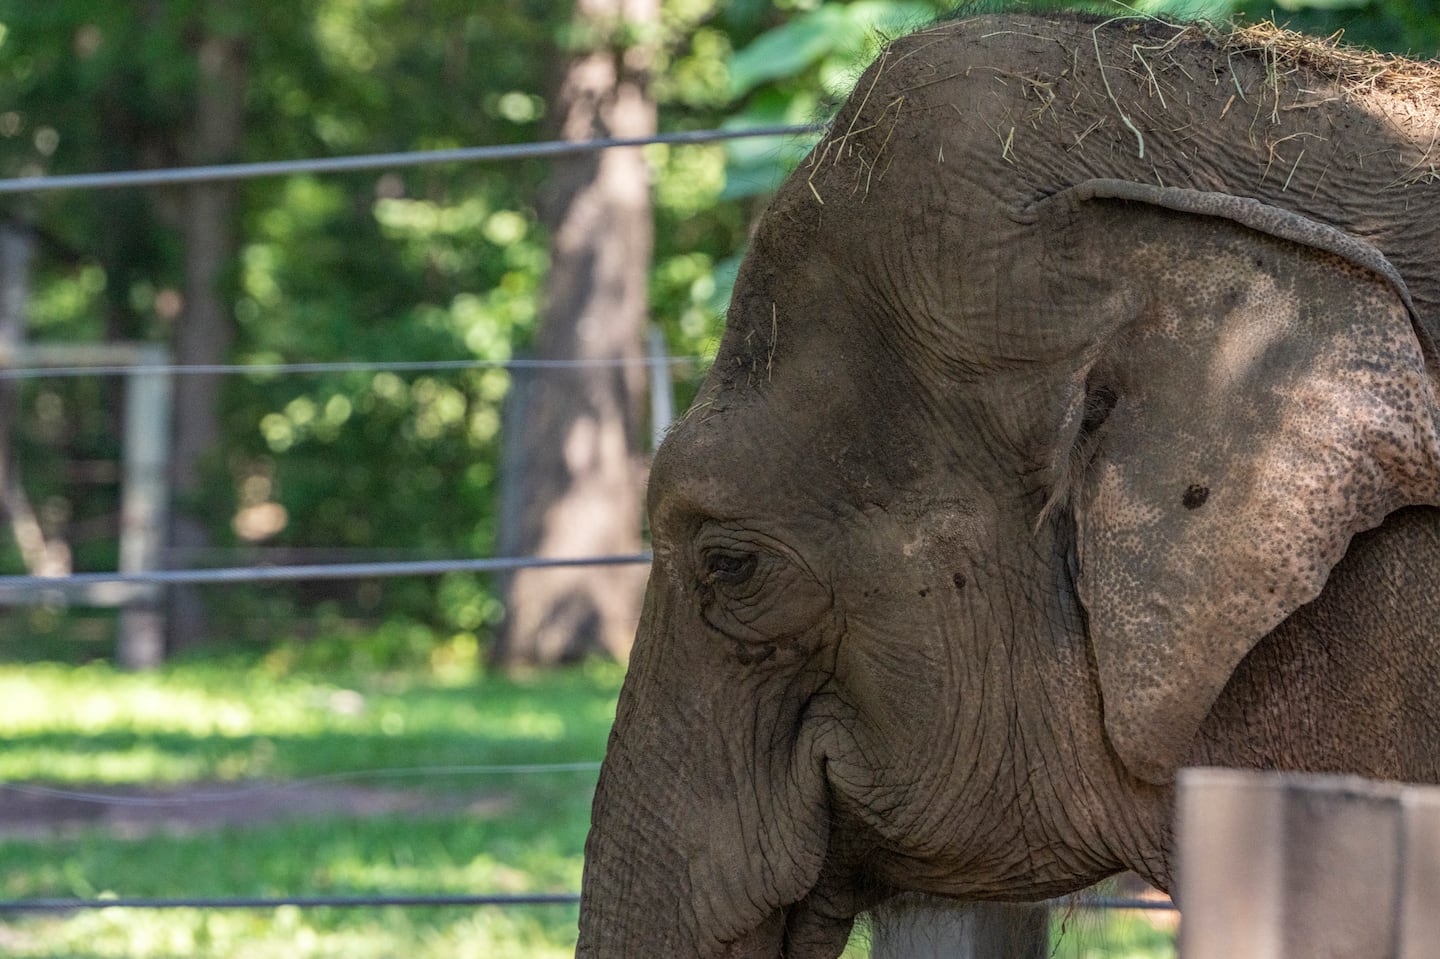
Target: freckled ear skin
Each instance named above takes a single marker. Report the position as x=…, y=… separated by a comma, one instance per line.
x=1272, y=399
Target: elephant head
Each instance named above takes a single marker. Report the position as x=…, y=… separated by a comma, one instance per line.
x=1002, y=468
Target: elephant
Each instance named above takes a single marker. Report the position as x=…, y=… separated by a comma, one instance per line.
x=1075, y=421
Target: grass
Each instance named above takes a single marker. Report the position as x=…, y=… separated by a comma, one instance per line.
x=232, y=721
x=241, y=721
x=271, y=719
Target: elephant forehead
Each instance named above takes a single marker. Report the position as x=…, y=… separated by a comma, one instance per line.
x=737, y=462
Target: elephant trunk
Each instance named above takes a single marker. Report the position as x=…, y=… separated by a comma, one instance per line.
x=697, y=843
x=634, y=888
x=635, y=896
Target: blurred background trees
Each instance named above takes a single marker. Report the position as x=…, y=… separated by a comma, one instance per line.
x=574, y=464
x=441, y=263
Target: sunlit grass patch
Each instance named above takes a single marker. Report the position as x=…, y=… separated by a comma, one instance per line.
x=233, y=721
x=92, y=729
x=236, y=725
x=542, y=933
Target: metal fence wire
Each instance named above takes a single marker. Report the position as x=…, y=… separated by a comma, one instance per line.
x=17, y=906
x=11, y=586
x=349, y=366
x=380, y=161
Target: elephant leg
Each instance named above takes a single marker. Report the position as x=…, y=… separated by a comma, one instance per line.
x=918, y=927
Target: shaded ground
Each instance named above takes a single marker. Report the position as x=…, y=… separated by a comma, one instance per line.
x=133, y=812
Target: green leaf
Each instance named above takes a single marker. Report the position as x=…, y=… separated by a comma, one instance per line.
x=767, y=108
x=757, y=165
x=833, y=29
x=785, y=50
x=889, y=18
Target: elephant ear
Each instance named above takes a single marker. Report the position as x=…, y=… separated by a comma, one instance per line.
x=1269, y=395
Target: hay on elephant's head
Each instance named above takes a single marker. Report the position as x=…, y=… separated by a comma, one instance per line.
x=1355, y=70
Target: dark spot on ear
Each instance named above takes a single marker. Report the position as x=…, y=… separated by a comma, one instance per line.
x=1195, y=497
x=925, y=592
x=959, y=580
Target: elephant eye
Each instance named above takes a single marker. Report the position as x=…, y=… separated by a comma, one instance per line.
x=728, y=567
x=1100, y=402
x=751, y=588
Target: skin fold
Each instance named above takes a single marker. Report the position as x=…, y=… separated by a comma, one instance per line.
x=1075, y=421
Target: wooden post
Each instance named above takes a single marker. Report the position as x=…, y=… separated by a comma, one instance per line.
x=1275, y=866
x=662, y=388
x=17, y=250
x=144, y=496
x=144, y=505
x=917, y=927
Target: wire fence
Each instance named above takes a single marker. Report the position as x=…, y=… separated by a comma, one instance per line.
x=271, y=574
x=303, y=902
x=14, y=585
x=370, y=902
x=76, y=904
x=174, y=176
x=347, y=366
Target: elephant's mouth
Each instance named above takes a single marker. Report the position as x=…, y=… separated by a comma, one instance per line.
x=819, y=923
x=809, y=935
x=795, y=932
x=765, y=941
x=816, y=927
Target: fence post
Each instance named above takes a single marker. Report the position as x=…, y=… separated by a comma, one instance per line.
x=918, y=927
x=144, y=504
x=1283, y=865
x=662, y=389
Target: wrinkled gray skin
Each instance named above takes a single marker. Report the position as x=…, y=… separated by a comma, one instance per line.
x=1021, y=481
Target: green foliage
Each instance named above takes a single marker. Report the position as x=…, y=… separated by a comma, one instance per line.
x=435, y=263
x=798, y=72
x=838, y=38
x=442, y=262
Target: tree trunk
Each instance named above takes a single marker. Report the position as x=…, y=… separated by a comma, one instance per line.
x=576, y=477
x=204, y=332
